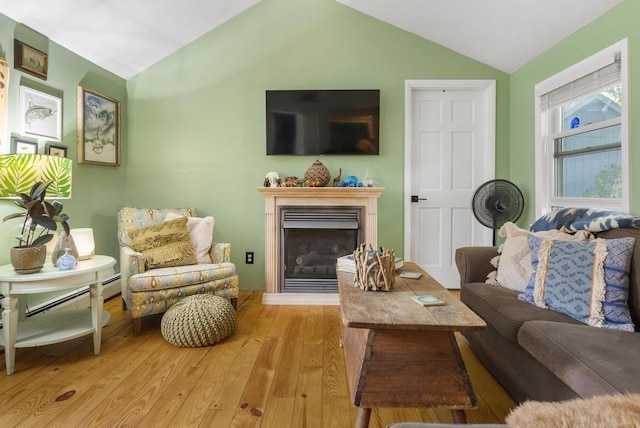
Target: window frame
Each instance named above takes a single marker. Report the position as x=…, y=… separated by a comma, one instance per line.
x=545, y=179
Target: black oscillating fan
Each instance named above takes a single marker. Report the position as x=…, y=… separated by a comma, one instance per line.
x=497, y=202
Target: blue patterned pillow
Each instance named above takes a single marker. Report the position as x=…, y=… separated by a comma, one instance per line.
x=588, y=281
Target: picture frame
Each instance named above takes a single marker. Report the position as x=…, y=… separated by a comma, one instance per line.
x=53, y=150
x=40, y=114
x=30, y=60
x=4, y=91
x=98, y=128
x=23, y=146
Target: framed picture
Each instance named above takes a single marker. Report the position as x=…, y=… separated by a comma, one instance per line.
x=24, y=146
x=4, y=91
x=29, y=60
x=40, y=114
x=51, y=150
x=98, y=128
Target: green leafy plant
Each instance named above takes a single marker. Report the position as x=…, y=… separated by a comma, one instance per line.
x=38, y=212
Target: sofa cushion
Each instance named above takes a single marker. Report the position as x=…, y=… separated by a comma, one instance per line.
x=592, y=219
x=634, y=275
x=180, y=276
x=588, y=281
x=501, y=308
x=514, y=264
x=591, y=361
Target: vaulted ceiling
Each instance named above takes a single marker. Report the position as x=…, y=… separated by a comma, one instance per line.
x=131, y=36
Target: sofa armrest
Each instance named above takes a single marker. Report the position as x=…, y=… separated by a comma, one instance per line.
x=474, y=263
x=220, y=252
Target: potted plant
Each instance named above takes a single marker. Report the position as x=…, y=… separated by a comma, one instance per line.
x=40, y=218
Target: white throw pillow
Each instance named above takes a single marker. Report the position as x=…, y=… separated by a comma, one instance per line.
x=514, y=266
x=200, y=233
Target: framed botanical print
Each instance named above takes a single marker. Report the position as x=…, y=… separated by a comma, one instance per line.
x=98, y=128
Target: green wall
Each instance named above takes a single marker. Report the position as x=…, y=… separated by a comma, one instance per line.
x=97, y=190
x=612, y=27
x=193, y=124
x=197, y=119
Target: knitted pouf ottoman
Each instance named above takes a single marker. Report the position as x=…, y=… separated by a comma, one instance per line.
x=198, y=320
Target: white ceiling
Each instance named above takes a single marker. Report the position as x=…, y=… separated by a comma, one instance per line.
x=124, y=37
x=127, y=37
x=505, y=34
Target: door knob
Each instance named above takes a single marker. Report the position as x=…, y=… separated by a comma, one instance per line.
x=415, y=198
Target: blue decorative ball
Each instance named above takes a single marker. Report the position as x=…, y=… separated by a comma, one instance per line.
x=351, y=181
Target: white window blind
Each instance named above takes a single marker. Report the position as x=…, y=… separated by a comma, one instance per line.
x=585, y=85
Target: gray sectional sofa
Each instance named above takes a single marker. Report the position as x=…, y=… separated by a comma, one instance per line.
x=539, y=354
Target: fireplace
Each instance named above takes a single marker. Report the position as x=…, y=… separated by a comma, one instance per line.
x=323, y=200
x=312, y=238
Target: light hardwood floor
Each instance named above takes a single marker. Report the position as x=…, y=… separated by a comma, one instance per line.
x=282, y=367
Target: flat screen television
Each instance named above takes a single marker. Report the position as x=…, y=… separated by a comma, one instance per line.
x=323, y=122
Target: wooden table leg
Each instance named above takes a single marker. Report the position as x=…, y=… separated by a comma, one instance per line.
x=364, y=414
x=10, y=331
x=458, y=416
x=97, y=307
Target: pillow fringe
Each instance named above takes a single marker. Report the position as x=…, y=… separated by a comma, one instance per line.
x=596, y=313
x=169, y=254
x=541, y=272
x=161, y=240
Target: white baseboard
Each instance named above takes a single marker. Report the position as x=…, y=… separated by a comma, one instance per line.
x=300, y=299
x=78, y=298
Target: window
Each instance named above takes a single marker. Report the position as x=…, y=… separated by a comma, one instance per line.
x=581, y=135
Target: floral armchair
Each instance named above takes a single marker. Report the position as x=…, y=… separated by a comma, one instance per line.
x=151, y=291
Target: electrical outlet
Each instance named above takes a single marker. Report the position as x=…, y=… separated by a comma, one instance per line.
x=248, y=258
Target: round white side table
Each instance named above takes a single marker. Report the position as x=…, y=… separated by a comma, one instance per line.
x=58, y=326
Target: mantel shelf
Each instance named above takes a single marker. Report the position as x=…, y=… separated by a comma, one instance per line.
x=319, y=192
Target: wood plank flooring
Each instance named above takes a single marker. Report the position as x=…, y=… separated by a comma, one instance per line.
x=282, y=367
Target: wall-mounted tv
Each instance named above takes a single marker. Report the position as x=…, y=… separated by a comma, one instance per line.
x=323, y=122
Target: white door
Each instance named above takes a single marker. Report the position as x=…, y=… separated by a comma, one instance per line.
x=450, y=151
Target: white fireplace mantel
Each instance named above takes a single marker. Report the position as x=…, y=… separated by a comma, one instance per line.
x=276, y=197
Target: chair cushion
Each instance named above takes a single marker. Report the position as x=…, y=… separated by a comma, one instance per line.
x=199, y=320
x=180, y=276
x=164, y=244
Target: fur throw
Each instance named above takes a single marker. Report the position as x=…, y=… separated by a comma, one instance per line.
x=613, y=411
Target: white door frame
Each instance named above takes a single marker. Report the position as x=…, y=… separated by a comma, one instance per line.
x=489, y=89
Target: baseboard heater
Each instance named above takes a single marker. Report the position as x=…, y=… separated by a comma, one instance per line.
x=79, y=296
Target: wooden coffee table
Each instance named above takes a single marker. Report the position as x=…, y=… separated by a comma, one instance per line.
x=401, y=354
